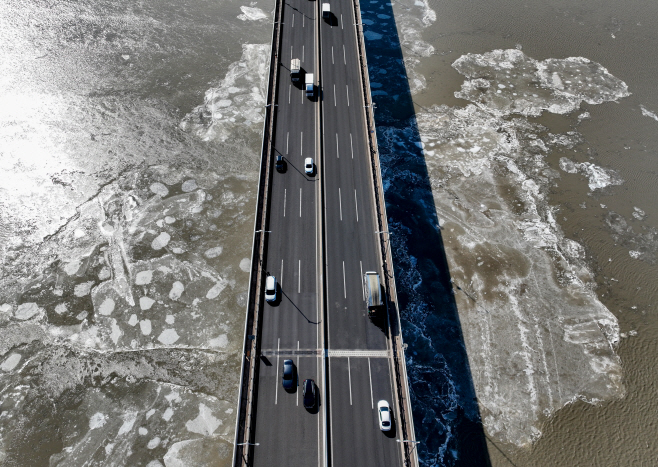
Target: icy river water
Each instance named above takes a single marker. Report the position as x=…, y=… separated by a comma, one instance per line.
x=519, y=156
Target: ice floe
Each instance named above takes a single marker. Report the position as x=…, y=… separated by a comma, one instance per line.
x=563, y=83
x=238, y=102
x=252, y=14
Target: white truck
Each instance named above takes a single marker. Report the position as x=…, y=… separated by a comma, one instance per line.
x=373, y=292
x=295, y=69
x=326, y=11
x=310, y=85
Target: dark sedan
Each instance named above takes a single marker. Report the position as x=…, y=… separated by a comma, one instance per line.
x=288, y=374
x=309, y=393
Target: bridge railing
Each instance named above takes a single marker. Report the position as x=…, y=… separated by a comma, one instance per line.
x=247, y=394
x=401, y=380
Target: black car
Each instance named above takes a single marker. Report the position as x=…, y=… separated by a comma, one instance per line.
x=288, y=374
x=280, y=164
x=309, y=393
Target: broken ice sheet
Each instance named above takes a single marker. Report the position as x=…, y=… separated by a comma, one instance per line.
x=157, y=315
x=536, y=335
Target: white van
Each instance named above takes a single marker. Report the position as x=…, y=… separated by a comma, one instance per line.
x=326, y=11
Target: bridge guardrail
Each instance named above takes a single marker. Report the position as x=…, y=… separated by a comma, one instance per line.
x=251, y=345
x=401, y=380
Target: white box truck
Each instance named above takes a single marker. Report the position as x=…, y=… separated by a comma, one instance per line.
x=295, y=69
x=310, y=85
x=373, y=292
x=326, y=11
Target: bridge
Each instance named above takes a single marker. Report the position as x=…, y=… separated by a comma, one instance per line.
x=318, y=234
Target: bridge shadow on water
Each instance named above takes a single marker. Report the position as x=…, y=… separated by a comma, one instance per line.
x=445, y=410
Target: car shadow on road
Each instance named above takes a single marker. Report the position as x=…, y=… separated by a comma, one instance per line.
x=444, y=404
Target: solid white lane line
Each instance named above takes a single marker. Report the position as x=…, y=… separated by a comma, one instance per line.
x=344, y=59
x=351, y=146
x=332, y=55
x=299, y=280
x=300, y=202
x=340, y=205
x=349, y=375
x=337, y=151
x=276, y=382
x=302, y=143
x=344, y=287
x=347, y=90
x=356, y=203
x=289, y=92
x=285, y=192
x=334, y=95
x=287, y=138
x=297, y=392
x=372, y=402
x=363, y=285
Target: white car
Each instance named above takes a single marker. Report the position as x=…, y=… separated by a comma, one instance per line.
x=384, y=411
x=308, y=165
x=270, y=289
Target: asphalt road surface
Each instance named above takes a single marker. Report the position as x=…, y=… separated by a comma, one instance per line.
x=359, y=366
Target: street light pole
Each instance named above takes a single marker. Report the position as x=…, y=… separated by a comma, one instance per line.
x=250, y=444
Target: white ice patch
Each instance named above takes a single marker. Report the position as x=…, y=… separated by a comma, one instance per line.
x=245, y=86
x=168, y=336
x=11, y=362
x=216, y=289
x=252, y=14
x=598, y=176
x=205, y=424
x=189, y=185
x=159, y=189
x=145, y=326
x=177, y=289
x=160, y=241
x=213, y=252
x=128, y=423
x=80, y=290
x=26, y=311
x=648, y=113
x=145, y=303
x=154, y=443
x=245, y=264
x=563, y=83
x=107, y=307
x=116, y=332
x=166, y=416
x=144, y=277
x=133, y=320
x=219, y=341
x=97, y=420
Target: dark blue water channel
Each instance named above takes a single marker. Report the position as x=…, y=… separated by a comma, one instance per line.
x=445, y=410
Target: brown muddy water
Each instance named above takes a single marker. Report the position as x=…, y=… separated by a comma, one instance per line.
x=616, y=224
